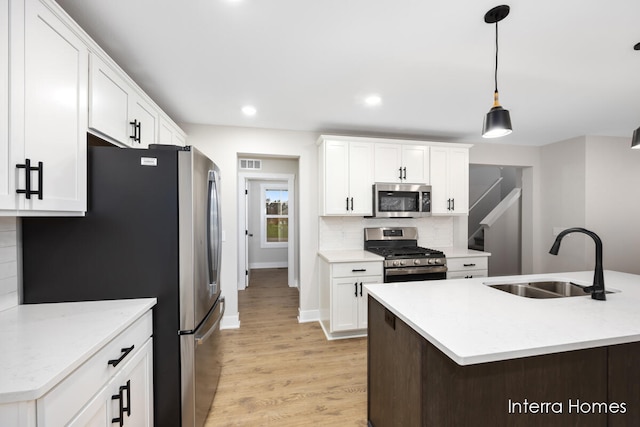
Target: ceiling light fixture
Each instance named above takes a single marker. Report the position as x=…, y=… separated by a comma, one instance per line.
x=249, y=110
x=497, y=122
x=635, y=141
x=373, y=100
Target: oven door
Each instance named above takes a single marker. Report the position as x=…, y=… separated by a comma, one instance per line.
x=417, y=274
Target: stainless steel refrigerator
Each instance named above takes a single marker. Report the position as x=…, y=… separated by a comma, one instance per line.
x=152, y=230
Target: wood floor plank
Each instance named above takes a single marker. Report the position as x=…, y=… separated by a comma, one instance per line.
x=277, y=371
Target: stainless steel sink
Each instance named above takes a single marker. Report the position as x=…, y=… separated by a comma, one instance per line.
x=542, y=289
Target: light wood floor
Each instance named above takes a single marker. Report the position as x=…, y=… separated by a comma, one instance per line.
x=278, y=372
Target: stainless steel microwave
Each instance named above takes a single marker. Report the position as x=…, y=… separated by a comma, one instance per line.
x=401, y=200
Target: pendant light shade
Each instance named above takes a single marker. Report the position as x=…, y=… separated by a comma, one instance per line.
x=635, y=141
x=497, y=122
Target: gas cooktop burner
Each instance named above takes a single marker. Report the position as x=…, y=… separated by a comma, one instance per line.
x=406, y=252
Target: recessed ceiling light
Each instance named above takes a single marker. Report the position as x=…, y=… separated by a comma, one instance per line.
x=249, y=110
x=373, y=100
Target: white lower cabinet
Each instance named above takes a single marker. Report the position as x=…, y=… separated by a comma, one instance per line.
x=467, y=267
x=343, y=298
x=126, y=400
x=113, y=387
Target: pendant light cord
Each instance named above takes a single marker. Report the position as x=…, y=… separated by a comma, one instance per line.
x=496, y=71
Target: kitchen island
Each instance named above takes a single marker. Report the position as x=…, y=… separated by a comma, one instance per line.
x=458, y=352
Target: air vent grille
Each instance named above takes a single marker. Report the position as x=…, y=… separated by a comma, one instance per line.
x=250, y=164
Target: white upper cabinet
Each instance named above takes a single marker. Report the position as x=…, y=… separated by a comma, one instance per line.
x=346, y=177
x=401, y=163
x=8, y=197
x=449, y=180
x=169, y=133
x=117, y=111
x=48, y=63
x=108, y=102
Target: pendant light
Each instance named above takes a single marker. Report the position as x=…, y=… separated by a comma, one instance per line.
x=635, y=141
x=497, y=122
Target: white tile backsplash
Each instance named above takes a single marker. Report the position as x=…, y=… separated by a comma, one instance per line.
x=347, y=233
x=8, y=263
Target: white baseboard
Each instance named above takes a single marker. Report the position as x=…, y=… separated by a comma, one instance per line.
x=230, y=321
x=276, y=264
x=308, y=316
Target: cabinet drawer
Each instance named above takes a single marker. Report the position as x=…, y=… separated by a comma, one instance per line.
x=471, y=263
x=70, y=395
x=467, y=274
x=352, y=269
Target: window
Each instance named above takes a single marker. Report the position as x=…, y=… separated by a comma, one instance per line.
x=274, y=226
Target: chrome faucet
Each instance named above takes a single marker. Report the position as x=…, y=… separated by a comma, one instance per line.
x=597, y=290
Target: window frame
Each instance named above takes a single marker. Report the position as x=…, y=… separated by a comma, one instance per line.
x=264, y=244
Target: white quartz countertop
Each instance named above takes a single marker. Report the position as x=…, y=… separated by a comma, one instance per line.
x=473, y=323
x=43, y=343
x=349, y=256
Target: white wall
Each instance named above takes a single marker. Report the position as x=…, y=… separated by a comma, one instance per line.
x=223, y=144
x=8, y=263
x=613, y=202
x=563, y=185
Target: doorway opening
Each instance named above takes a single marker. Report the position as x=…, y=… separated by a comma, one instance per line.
x=267, y=223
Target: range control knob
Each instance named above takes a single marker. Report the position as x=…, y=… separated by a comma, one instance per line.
x=396, y=263
x=416, y=261
x=432, y=261
x=403, y=262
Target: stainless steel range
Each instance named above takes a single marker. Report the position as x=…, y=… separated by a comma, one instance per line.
x=404, y=260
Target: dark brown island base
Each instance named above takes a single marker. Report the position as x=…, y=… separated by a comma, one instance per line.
x=412, y=383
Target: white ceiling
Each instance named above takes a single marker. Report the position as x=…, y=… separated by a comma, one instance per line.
x=567, y=68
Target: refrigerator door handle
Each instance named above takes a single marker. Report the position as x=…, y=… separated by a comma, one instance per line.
x=200, y=339
x=213, y=231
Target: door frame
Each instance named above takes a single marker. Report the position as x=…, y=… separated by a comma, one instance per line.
x=243, y=183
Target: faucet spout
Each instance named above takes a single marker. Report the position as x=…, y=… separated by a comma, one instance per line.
x=597, y=290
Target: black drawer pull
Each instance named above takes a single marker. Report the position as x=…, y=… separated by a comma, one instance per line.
x=125, y=352
x=468, y=265
x=136, y=130
x=358, y=270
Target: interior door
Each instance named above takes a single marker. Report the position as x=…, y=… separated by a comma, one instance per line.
x=247, y=234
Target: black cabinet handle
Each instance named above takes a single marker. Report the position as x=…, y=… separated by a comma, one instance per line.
x=360, y=288
x=468, y=265
x=352, y=203
x=448, y=204
x=453, y=204
x=400, y=171
x=27, y=191
x=358, y=270
x=356, y=286
x=136, y=130
x=121, y=406
x=127, y=388
x=125, y=352
x=347, y=203
x=404, y=172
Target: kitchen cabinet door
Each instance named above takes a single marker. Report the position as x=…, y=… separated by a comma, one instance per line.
x=145, y=118
x=415, y=164
x=8, y=197
x=169, y=134
x=449, y=180
x=108, y=102
x=344, y=304
x=401, y=163
x=360, y=178
x=48, y=109
x=346, y=178
x=387, y=163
